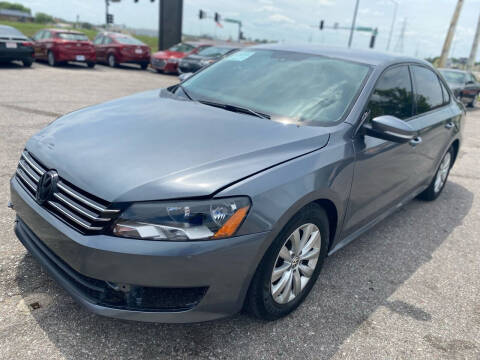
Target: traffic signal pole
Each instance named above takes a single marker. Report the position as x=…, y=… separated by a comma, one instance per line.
x=353, y=24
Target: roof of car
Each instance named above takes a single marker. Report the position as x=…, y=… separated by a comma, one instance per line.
x=66, y=31
x=370, y=57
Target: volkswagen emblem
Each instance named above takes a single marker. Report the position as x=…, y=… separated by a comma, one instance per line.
x=46, y=186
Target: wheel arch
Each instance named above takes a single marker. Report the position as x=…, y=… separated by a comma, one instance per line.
x=456, y=147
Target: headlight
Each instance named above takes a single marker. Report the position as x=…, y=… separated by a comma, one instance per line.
x=172, y=60
x=206, y=62
x=183, y=220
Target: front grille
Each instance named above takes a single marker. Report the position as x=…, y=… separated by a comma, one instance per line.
x=103, y=293
x=82, y=211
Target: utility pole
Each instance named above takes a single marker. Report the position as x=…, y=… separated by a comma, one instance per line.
x=450, y=34
x=353, y=24
x=107, y=3
x=473, y=52
x=393, y=23
x=399, y=45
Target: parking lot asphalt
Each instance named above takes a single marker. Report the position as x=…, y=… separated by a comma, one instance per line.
x=407, y=289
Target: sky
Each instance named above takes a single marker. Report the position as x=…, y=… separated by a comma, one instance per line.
x=426, y=21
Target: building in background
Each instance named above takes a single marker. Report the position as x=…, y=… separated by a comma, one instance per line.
x=15, y=15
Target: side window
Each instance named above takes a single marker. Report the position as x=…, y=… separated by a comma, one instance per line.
x=446, y=95
x=428, y=93
x=38, y=35
x=107, y=40
x=98, y=40
x=393, y=94
x=47, y=35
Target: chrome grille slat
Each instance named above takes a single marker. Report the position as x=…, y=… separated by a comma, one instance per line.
x=26, y=180
x=78, y=209
x=73, y=218
x=33, y=163
x=82, y=199
x=69, y=203
x=33, y=176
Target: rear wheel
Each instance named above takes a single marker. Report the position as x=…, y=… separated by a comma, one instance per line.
x=51, y=59
x=91, y=65
x=291, y=266
x=27, y=62
x=438, y=183
x=112, y=62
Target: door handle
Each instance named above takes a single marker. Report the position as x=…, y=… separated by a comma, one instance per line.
x=415, y=141
x=449, y=125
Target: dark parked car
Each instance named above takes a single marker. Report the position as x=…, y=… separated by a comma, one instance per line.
x=194, y=62
x=167, y=61
x=464, y=85
x=15, y=46
x=229, y=190
x=58, y=46
x=115, y=48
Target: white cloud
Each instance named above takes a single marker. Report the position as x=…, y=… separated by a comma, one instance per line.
x=279, y=18
x=268, y=8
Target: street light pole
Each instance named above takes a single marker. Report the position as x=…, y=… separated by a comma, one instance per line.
x=106, y=13
x=393, y=23
x=353, y=24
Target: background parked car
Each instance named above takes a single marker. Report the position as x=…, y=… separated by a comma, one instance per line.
x=58, y=46
x=115, y=48
x=194, y=62
x=167, y=61
x=15, y=46
x=464, y=85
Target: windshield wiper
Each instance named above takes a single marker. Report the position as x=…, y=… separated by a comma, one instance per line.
x=236, y=108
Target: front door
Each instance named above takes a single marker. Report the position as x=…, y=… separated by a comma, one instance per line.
x=383, y=169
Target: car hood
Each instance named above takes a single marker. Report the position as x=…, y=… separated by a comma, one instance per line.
x=151, y=147
x=195, y=57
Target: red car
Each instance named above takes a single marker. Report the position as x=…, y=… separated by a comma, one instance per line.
x=59, y=46
x=115, y=48
x=167, y=60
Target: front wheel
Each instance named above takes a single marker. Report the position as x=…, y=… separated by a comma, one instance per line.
x=438, y=183
x=291, y=266
x=112, y=62
x=51, y=59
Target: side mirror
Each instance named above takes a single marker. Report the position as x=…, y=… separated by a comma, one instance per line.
x=470, y=82
x=390, y=128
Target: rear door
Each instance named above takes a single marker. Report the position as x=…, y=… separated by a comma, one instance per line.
x=433, y=120
x=383, y=169
x=97, y=43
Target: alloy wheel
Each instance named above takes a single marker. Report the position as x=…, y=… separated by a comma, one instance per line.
x=442, y=172
x=51, y=59
x=295, y=263
x=111, y=61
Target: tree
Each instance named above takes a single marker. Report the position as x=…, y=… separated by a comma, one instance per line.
x=43, y=18
x=14, y=6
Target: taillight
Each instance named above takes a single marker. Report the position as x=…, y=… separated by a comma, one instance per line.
x=27, y=43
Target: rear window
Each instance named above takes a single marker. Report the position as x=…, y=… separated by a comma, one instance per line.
x=9, y=31
x=72, y=36
x=214, y=51
x=427, y=88
x=454, y=77
x=128, y=40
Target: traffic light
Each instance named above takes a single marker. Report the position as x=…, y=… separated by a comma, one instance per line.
x=240, y=35
x=321, y=25
x=109, y=18
x=372, y=39
x=202, y=14
x=217, y=17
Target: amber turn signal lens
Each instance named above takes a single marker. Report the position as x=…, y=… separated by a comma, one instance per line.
x=232, y=224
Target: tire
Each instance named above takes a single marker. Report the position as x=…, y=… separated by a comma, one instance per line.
x=473, y=102
x=111, y=61
x=51, y=59
x=27, y=62
x=144, y=66
x=440, y=179
x=91, y=65
x=261, y=301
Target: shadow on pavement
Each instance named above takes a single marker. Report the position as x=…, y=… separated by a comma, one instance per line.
x=353, y=284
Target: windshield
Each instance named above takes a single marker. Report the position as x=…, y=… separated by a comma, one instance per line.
x=128, y=40
x=182, y=48
x=454, y=77
x=72, y=36
x=303, y=87
x=214, y=51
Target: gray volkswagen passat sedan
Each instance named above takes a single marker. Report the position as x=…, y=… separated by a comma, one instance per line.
x=228, y=190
